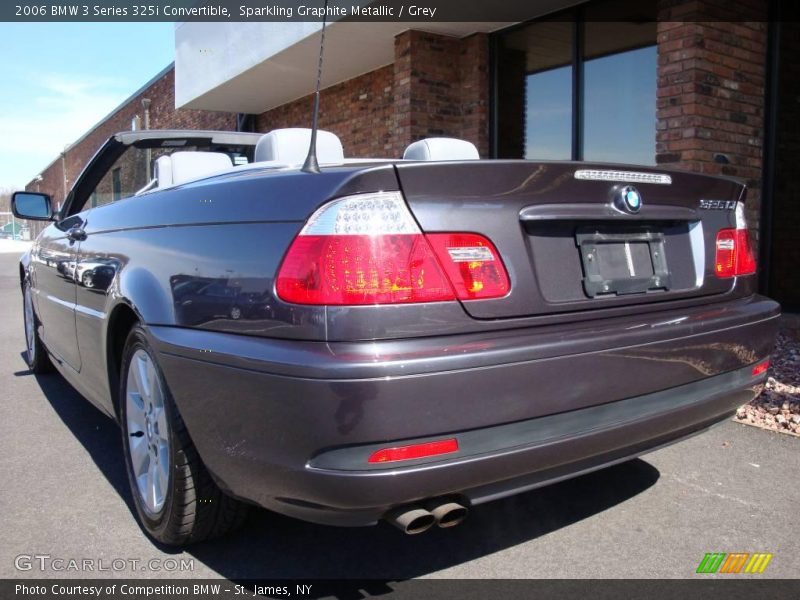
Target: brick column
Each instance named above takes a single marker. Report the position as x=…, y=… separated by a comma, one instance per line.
x=441, y=88
x=710, y=106
x=474, y=91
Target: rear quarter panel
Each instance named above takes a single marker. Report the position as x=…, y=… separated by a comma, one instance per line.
x=226, y=235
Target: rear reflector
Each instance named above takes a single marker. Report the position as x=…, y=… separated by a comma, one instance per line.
x=414, y=451
x=734, y=253
x=761, y=368
x=368, y=249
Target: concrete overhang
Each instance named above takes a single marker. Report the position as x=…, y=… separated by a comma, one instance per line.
x=251, y=67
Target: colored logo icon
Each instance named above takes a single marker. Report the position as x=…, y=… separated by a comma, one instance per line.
x=627, y=199
x=735, y=562
x=633, y=200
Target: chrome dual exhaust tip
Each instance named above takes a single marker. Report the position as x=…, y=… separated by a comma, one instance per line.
x=414, y=519
x=447, y=514
x=411, y=520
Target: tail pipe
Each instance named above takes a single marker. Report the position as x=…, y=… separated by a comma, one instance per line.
x=411, y=520
x=448, y=513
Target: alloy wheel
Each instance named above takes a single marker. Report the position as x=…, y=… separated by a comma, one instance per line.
x=148, y=432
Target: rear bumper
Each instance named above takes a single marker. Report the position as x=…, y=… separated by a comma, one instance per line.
x=290, y=425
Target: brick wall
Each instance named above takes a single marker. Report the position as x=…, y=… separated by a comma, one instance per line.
x=360, y=111
x=710, y=98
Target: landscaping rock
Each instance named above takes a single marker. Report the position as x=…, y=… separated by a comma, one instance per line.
x=777, y=407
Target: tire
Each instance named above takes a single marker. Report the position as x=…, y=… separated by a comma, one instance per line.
x=176, y=499
x=35, y=353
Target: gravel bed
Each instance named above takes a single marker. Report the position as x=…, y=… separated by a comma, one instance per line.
x=777, y=407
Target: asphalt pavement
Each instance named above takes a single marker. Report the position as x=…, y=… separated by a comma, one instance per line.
x=64, y=495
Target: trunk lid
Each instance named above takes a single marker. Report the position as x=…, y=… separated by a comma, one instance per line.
x=567, y=236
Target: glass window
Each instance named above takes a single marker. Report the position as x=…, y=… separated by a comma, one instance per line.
x=535, y=91
x=548, y=114
x=130, y=174
x=127, y=176
x=619, y=93
x=616, y=89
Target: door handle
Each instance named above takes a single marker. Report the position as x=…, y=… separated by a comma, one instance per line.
x=76, y=234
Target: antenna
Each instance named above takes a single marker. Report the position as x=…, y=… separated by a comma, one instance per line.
x=311, y=165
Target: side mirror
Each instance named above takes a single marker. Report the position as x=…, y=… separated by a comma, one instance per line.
x=32, y=206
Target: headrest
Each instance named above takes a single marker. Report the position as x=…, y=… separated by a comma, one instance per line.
x=441, y=148
x=163, y=171
x=180, y=167
x=291, y=146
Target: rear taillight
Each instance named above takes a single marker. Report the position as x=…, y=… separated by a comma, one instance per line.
x=734, y=253
x=472, y=264
x=368, y=249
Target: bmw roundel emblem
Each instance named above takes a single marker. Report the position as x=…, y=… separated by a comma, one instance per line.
x=628, y=199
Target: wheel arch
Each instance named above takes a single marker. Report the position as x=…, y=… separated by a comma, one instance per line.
x=24, y=264
x=121, y=319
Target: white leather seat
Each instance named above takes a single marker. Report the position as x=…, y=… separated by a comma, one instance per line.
x=441, y=148
x=290, y=146
x=180, y=167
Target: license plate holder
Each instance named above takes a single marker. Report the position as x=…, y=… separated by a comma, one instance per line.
x=622, y=262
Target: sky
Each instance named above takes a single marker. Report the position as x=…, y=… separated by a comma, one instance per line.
x=57, y=80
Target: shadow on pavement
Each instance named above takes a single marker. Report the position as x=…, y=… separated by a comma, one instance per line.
x=277, y=547
x=96, y=432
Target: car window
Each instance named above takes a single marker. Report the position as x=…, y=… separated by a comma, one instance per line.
x=133, y=173
x=127, y=176
x=219, y=289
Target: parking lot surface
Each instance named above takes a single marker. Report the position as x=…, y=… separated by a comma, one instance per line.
x=64, y=495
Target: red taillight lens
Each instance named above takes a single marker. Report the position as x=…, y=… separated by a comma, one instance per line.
x=761, y=368
x=368, y=249
x=734, y=255
x=361, y=269
x=414, y=451
x=745, y=258
x=472, y=264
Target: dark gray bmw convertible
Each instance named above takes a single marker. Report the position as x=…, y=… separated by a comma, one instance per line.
x=385, y=339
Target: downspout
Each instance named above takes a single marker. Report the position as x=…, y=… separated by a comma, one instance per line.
x=245, y=122
x=147, y=152
x=64, y=173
